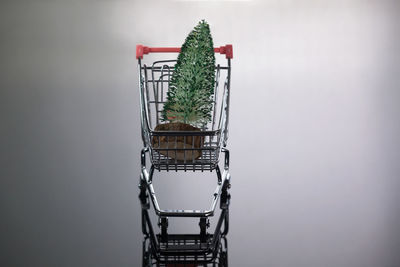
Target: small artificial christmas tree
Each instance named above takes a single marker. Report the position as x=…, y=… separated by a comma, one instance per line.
x=189, y=98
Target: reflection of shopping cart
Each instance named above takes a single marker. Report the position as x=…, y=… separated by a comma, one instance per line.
x=200, y=151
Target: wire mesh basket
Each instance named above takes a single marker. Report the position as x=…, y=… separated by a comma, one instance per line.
x=181, y=149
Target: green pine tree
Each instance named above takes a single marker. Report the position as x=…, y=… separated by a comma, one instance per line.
x=189, y=98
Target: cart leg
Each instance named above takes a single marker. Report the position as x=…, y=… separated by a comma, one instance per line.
x=204, y=224
x=144, y=201
x=223, y=258
x=164, y=226
x=146, y=255
x=224, y=204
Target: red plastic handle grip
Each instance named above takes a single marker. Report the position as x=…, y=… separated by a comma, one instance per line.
x=141, y=50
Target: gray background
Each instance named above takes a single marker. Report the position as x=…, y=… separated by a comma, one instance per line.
x=314, y=130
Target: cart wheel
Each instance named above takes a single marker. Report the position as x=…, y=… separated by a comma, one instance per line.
x=147, y=259
x=146, y=255
x=223, y=259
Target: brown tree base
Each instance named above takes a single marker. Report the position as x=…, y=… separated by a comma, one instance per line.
x=175, y=143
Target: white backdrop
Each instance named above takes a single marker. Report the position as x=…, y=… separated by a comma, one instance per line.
x=313, y=134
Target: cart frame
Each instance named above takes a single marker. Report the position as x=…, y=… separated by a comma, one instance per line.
x=164, y=249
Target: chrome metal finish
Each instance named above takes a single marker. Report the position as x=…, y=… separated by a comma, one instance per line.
x=157, y=76
x=196, y=249
x=147, y=179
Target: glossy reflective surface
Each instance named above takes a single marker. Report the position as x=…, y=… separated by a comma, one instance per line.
x=313, y=131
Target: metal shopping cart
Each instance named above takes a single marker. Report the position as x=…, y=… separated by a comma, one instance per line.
x=202, y=249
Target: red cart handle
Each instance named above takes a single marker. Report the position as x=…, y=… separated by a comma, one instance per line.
x=141, y=50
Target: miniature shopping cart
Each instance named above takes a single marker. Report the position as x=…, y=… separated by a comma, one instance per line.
x=202, y=248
